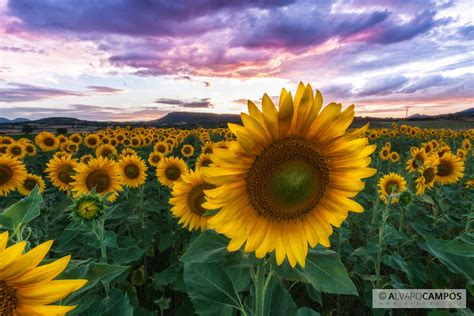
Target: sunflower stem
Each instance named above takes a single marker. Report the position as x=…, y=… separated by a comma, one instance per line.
x=261, y=286
x=378, y=262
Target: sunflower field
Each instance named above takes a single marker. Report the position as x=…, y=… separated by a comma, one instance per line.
x=293, y=213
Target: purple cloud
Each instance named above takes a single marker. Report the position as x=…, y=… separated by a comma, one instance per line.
x=17, y=92
x=104, y=90
x=383, y=85
x=202, y=103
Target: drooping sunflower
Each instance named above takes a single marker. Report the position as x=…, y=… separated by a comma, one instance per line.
x=391, y=183
x=47, y=141
x=290, y=175
x=60, y=171
x=16, y=150
x=92, y=141
x=100, y=173
x=450, y=169
x=154, y=158
x=187, y=150
x=133, y=171
x=12, y=174
x=86, y=158
x=170, y=170
x=427, y=175
x=29, y=184
x=187, y=199
x=418, y=158
x=106, y=151
x=28, y=289
x=204, y=160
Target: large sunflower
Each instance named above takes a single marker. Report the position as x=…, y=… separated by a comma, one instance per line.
x=170, y=170
x=133, y=171
x=391, y=183
x=106, y=151
x=28, y=289
x=12, y=174
x=450, y=169
x=100, y=173
x=29, y=184
x=17, y=150
x=289, y=177
x=60, y=171
x=187, y=199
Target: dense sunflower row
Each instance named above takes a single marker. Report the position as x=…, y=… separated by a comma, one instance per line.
x=279, y=183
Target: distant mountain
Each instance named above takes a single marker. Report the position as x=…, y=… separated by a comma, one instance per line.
x=17, y=120
x=466, y=114
x=183, y=118
x=418, y=116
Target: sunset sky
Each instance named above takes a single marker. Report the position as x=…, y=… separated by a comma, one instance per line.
x=139, y=59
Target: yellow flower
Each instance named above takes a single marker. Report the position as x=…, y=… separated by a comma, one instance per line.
x=469, y=184
x=187, y=198
x=289, y=177
x=16, y=150
x=86, y=158
x=391, y=183
x=187, y=150
x=461, y=153
x=12, y=174
x=30, y=149
x=46, y=141
x=154, y=158
x=28, y=289
x=385, y=153
x=76, y=138
x=207, y=148
x=204, y=160
x=450, y=169
x=128, y=152
x=60, y=171
x=162, y=148
x=92, y=141
x=29, y=184
x=427, y=175
x=100, y=173
x=170, y=170
x=106, y=151
x=394, y=157
x=133, y=171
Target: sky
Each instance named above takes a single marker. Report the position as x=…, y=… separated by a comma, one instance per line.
x=129, y=60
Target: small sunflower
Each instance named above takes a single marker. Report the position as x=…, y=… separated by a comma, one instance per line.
x=60, y=171
x=469, y=184
x=100, y=173
x=17, y=150
x=394, y=157
x=92, y=141
x=30, y=149
x=86, y=158
x=443, y=149
x=289, y=177
x=76, y=138
x=391, y=183
x=450, y=169
x=106, y=151
x=384, y=153
x=187, y=199
x=133, y=171
x=170, y=170
x=427, y=175
x=162, y=147
x=154, y=158
x=187, y=150
x=12, y=174
x=461, y=153
x=208, y=148
x=466, y=144
x=128, y=152
x=204, y=160
x=47, y=141
x=87, y=207
x=28, y=289
x=29, y=184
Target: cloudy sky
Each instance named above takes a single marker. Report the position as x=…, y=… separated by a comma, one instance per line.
x=139, y=59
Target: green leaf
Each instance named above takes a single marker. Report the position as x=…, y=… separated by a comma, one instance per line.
x=326, y=273
x=104, y=272
x=208, y=247
x=278, y=300
x=426, y=198
x=305, y=311
x=23, y=211
x=117, y=303
x=454, y=262
x=208, y=282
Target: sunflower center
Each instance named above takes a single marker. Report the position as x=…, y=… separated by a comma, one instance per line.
x=132, y=171
x=187, y=150
x=6, y=173
x=287, y=180
x=99, y=179
x=16, y=151
x=161, y=149
x=8, y=299
x=92, y=141
x=155, y=159
x=49, y=141
x=429, y=175
x=445, y=169
x=29, y=149
x=173, y=173
x=196, y=197
x=29, y=184
x=65, y=174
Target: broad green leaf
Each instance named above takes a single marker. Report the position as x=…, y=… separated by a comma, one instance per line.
x=117, y=303
x=278, y=300
x=208, y=282
x=325, y=271
x=208, y=247
x=23, y=211
x=104, y=272
x=454, y=262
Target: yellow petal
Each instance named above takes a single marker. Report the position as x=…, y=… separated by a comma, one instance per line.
x=270, y=115
x=3, y=240
x=10, y=254
x=46, y=310
x=49, y=292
